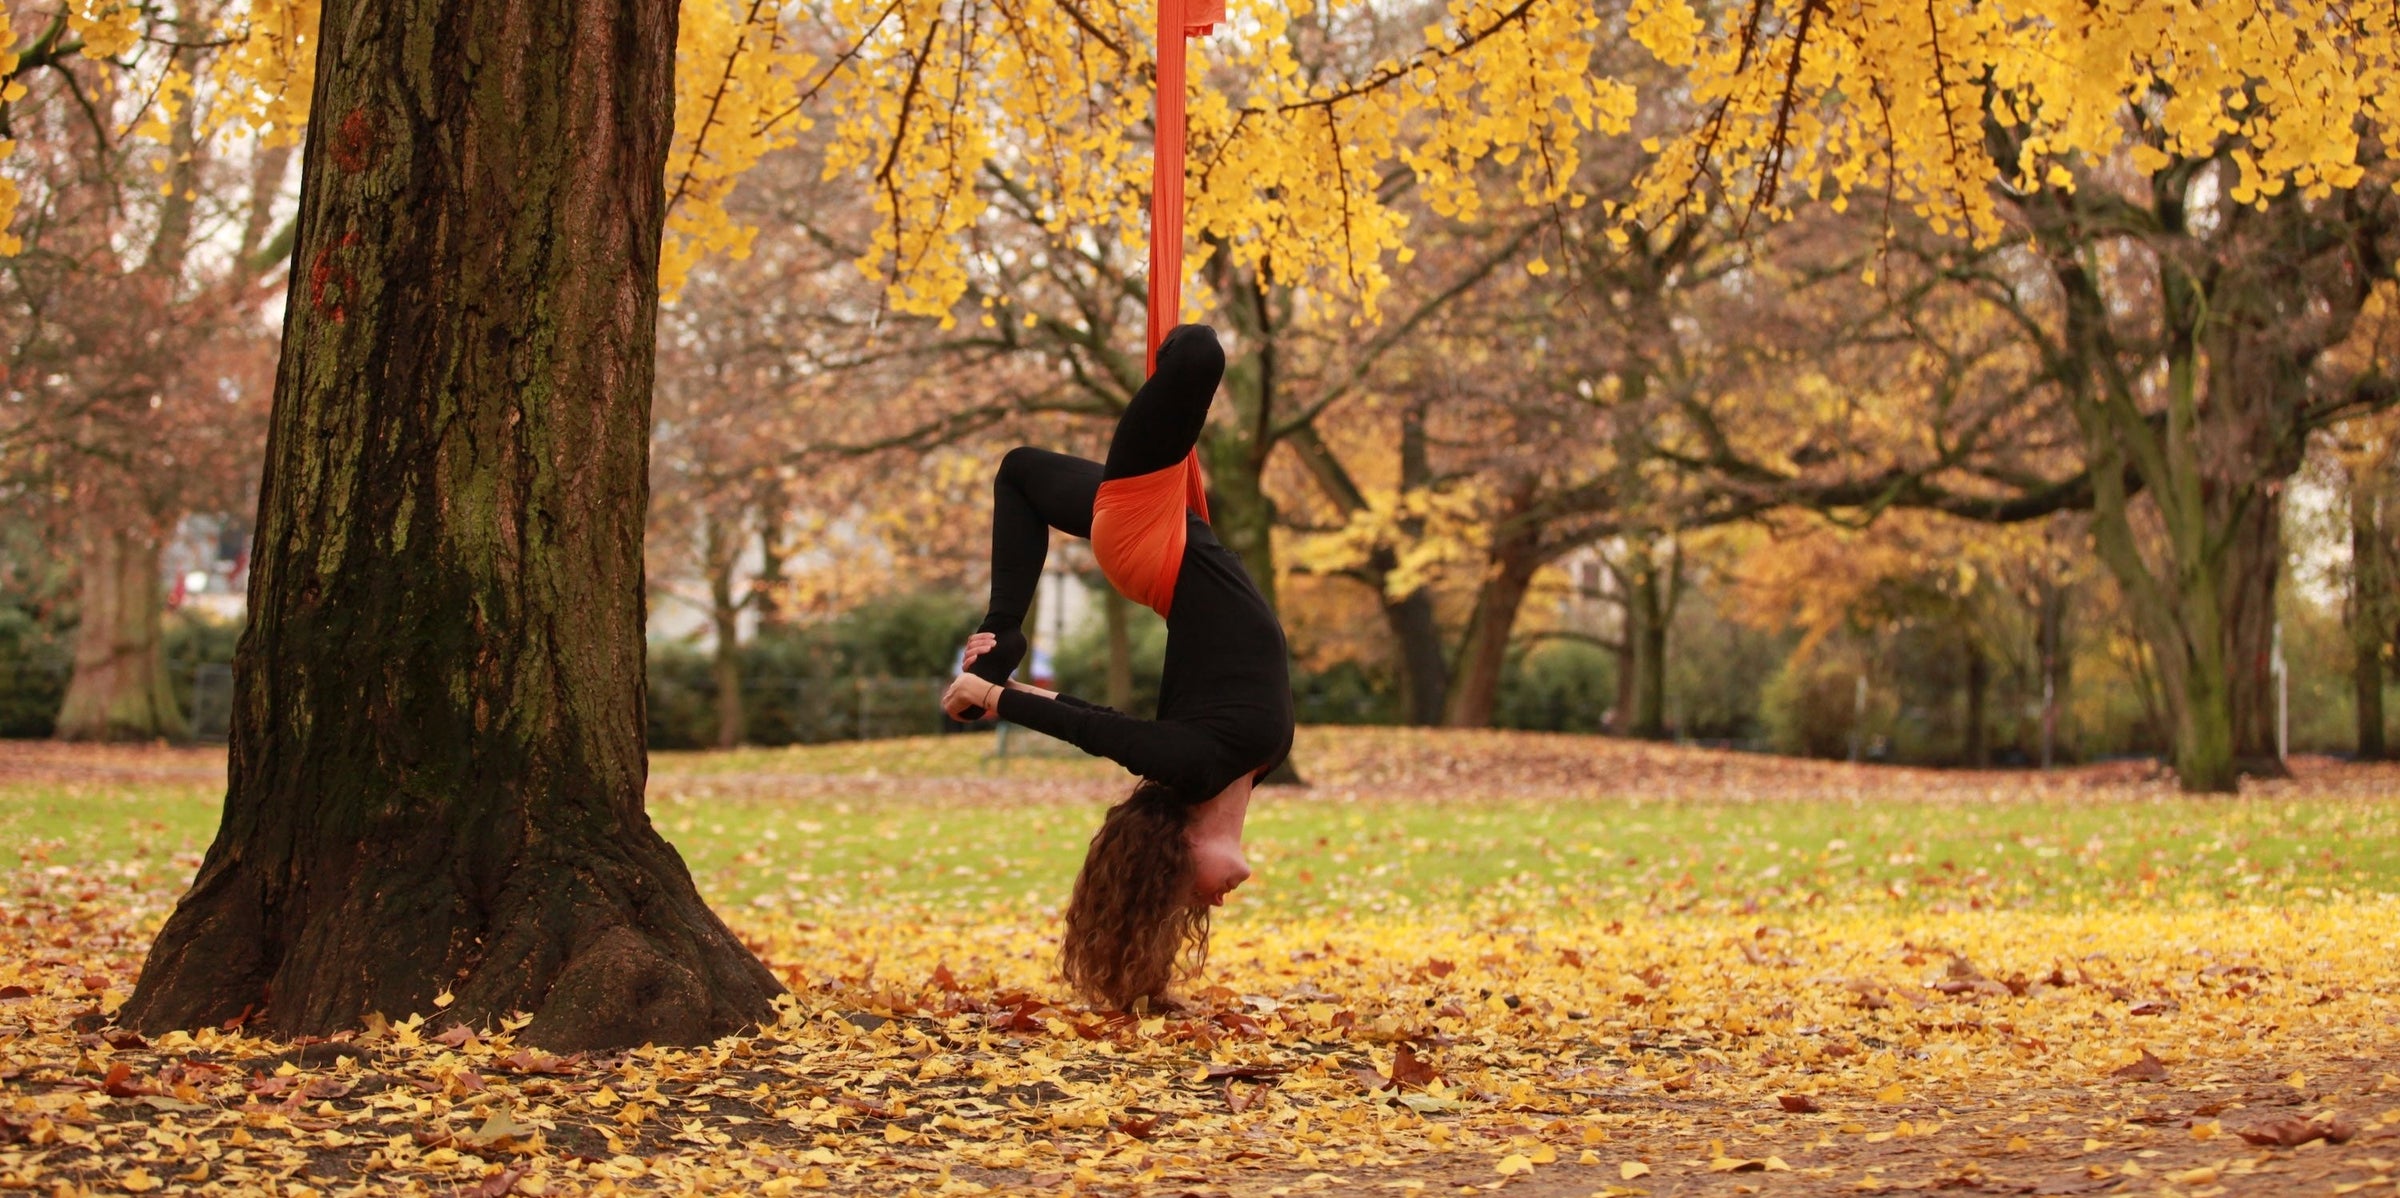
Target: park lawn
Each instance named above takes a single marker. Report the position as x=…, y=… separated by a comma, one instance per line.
x=939, y=822
x=1593, y=967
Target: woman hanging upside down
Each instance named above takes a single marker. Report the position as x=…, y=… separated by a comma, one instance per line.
x=1173, y=848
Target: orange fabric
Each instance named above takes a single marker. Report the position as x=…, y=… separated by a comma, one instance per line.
x=1138, y=523
x=1177, y=20
x=1175, y=23
x=1138, y=530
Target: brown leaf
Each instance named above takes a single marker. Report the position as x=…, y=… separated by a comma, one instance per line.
x=455, y=1035
x=1409, y=1071
x=13, y=993
x=2148, y=1069
x=498, y=1184
x=2292, y=1131
x=1438, y=967
x=1239, y=1099
x=525, y=1060
x=1140, y=1129
x=943, y=979
x=1798, y=1104
x=120, y=1084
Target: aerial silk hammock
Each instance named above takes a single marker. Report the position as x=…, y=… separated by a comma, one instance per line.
x=1138, y=523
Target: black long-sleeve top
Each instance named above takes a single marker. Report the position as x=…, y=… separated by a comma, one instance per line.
x=1224, y=701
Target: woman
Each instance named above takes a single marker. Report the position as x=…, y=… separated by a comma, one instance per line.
x=1173, y=849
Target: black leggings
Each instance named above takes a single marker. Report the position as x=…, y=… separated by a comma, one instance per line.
x=1037, y=490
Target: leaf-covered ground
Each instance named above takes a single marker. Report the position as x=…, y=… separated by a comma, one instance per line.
x=1537, y=965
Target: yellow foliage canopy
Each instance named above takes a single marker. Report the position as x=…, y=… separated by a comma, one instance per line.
x=1890, y=96
x=1290, y=146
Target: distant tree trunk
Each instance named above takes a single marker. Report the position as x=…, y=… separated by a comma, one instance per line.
x=437, y=758
x=1119, y=613
x=2051, y=617
x=774, y=522
x=1416, y=634
x=1483, y=650
x=1979, y=679
x=119, y=690
x=2253, y=567
x=720, y=549
x=1620, y=651
x=1646, y=637
x=1424, y=670
x=2370, y=612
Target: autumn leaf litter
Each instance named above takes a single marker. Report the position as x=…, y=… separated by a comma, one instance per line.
x=1539, y=1042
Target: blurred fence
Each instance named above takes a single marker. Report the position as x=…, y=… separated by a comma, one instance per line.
x=795, y=709
x=778, y=710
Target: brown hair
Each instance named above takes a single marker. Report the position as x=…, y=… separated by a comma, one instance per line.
x=1132, y=922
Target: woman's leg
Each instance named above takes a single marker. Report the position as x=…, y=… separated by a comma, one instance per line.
x=1162, y=424
x=1034, y=492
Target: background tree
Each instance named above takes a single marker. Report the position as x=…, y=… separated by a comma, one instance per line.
x=136, y=351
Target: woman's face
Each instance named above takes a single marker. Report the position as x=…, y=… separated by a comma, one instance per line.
x=1217, y=867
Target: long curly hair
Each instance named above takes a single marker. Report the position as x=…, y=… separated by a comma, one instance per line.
x=1132, y=924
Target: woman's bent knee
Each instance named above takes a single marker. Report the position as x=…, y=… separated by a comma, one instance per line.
x=1017, y=464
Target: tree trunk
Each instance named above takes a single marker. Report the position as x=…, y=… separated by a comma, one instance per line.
x=1119, y=613
x=437, y=763
x=774, y=521
x=1483, y=650
x=2179, y=605
x=1646, y=638
x=721, y=550
x=1424, y=670
x=2051, y=628
x=2253, y=567
x=2369, y=612
x=1975, y=751
x=119, y=690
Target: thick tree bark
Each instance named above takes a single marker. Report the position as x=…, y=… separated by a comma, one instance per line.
x=437, y=761
x=119, y=690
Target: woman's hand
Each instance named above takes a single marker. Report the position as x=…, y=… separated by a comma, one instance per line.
x=978, y=645
x=968, y=692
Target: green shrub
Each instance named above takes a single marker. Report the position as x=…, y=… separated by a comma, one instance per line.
x=36, y=659
x=1557, y=686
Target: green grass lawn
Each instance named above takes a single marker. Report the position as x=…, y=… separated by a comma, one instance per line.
x=939, y=824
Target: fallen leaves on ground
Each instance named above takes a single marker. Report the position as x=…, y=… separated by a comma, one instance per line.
x=1535, y=1046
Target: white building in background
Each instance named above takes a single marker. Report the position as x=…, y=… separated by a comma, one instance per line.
x=206, y=566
